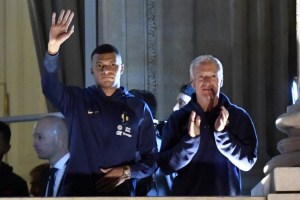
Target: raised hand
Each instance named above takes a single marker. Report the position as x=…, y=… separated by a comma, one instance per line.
x=221, y=121
x=59, y=31
x=194, y=124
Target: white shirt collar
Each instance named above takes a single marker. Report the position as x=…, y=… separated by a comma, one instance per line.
x=60, y=164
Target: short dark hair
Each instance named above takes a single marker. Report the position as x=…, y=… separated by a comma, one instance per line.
x=148, y=97
x=105, y=48
x=5, y=130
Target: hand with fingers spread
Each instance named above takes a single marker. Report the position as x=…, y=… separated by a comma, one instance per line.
x=194, y=124
x=60, y=31
x=221, y=121
x=112, y=177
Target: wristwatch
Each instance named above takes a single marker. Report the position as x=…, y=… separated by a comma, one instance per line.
x=126, y=172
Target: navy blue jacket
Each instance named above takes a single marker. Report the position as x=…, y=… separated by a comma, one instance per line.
x=104, y=132
x=209, y=164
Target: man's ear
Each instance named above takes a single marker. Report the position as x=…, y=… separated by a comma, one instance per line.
x=58, y=139
x=122, y=68
x=221, y=82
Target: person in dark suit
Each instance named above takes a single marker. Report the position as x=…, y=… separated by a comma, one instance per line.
x=50, y=141
x=11, y=184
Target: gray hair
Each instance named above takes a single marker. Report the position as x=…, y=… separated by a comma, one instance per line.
x=205, y=58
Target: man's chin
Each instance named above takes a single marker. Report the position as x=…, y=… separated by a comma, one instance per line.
x=106, y=84
x=42, y=157
x=209, y=95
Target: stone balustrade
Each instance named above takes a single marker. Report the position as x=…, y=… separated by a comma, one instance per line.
x=268, y=197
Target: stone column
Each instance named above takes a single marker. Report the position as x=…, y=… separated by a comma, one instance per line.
x=298, y=41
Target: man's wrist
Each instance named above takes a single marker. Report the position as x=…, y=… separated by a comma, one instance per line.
x=52, y=49
x=126, y=172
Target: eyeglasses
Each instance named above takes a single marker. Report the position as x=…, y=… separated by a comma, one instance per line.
x=109, y=67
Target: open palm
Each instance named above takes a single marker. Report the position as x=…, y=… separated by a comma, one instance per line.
x=59, y=31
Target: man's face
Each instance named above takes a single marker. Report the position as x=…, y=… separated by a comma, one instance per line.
x=207, y=80
x=45, y=141
x=107, y=69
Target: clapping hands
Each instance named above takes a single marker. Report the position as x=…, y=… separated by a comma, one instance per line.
x=221, y=121
x=194, y=124
x=195, y=121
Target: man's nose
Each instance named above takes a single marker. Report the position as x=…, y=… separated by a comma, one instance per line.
x=105, y=69
x=206, y=80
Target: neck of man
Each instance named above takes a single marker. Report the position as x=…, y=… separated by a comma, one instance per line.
x=207, y=104
x=109, y=91
x=57, y=157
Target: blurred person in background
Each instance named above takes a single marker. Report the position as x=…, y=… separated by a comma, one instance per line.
x=11, y=184
x=38, y=179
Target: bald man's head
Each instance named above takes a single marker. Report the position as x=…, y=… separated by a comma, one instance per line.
x=50, y=135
